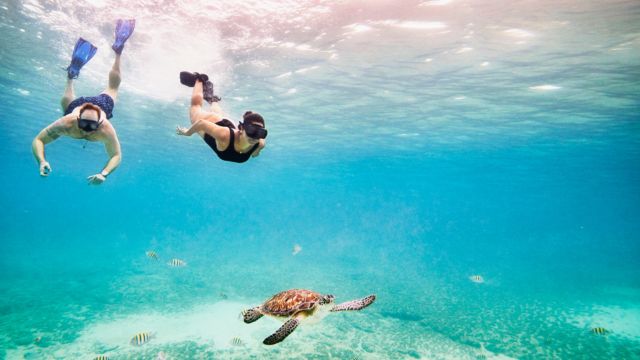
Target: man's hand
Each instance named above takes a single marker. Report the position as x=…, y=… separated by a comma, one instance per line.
x=96, y=179
x=181, y=130
x=45, y=168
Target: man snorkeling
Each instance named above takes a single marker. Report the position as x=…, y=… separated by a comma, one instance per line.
x=229, y=143
x=88, y=117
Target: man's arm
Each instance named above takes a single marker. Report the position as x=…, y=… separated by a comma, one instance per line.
x=112, y=146
x=47, y=135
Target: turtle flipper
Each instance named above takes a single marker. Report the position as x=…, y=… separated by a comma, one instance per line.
x=355, y=304
x=285, y=330
x=251, y=315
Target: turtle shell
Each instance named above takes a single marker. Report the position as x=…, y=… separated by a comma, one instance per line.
x=289, y=302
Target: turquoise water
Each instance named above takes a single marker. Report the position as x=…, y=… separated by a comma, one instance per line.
x=410, y=147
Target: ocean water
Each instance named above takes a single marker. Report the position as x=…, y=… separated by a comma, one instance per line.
x=411, y=145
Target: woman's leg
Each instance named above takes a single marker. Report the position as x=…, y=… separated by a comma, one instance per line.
x=215, y=107
x=69, y=95
x=114, y=79
x=195, y=112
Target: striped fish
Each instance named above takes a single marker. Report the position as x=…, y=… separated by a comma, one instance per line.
x=152, y=254
x=482, y=353
x=236, y=341
x=140, y=338
x=599, y=331
x=101, y=357
x=177, y=263
x=476, y=279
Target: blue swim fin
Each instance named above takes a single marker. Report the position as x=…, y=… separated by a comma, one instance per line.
x=124, y=29
x=82, y=53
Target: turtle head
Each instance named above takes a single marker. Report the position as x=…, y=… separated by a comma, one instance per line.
x=327, y=299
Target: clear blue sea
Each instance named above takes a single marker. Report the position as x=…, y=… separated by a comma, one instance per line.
x=412, y=145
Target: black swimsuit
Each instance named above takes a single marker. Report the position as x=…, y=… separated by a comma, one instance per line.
x=229, y=154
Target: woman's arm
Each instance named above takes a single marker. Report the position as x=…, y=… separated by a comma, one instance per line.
x=213, y=130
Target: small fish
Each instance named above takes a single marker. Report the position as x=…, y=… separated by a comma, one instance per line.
x=161, y=356
x=141, y=338
x=599, y=331
x=152, y=254
x=223, y=295
x=482, y=353
x=37, y=339
x=476, y=279
x=101, y=357
x=177, y=263
x=236, y=341
x=296, y=249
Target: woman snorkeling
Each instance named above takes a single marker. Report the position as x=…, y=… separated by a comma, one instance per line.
x=228, y=142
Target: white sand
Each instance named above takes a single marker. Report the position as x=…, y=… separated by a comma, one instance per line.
x=210, y=328
x=619, y=321
x=211, y=325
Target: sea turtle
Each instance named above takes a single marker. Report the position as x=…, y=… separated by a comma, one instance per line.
x=297, y=304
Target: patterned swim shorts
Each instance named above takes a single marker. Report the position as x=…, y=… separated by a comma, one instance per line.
x=104, y=101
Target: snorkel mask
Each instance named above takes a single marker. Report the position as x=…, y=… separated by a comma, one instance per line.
x=89, y=125
x=254, y=132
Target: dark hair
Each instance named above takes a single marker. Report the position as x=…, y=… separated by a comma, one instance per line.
x=226, y=123
x=90, y=107
x=250, y=118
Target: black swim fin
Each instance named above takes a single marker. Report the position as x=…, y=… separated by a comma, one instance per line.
x=189, y=79
x=207, y=93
